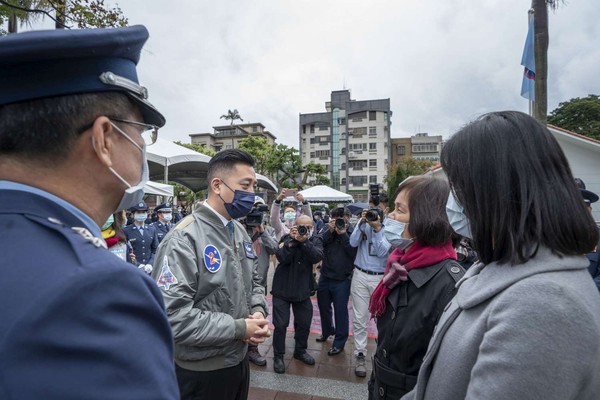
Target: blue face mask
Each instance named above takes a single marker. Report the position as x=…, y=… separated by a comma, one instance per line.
x=241, y=205
x=457, y=218
x=393, y=230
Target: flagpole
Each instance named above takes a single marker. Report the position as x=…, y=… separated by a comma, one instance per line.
x=529, y=16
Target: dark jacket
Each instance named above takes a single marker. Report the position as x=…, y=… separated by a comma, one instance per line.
x=144, y=245
x=413, y=309
x=75, y=320
x=338, y=255
x=293, y=278
x=594, y=267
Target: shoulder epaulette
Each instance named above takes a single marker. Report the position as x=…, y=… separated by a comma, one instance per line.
x=184, y=222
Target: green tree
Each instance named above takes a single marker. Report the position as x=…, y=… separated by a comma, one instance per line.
x=540, y=9
x=200, y=148
x=65, y=13
x=578, y=115
x=286, y=165
x=232, y=115
x=399, y=172
x=261, y=150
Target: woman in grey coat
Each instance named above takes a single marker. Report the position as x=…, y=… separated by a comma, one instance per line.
x=525, y=323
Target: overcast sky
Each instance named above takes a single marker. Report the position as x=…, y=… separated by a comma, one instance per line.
x=441, y=63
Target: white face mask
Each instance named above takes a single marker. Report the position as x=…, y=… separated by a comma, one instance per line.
x=140, y=217
x=457, y=218
x=393, y=231
x=167, y=216
x=133, y=194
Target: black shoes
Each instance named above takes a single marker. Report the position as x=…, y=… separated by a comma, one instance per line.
x=255, y=357
x=305, y=358
x=335, y=351
x=323, y=338
x=278, y=365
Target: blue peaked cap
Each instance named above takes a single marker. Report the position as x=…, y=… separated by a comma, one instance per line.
x=49, y=63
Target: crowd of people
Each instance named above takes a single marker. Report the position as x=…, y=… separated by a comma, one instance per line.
x=479, y=291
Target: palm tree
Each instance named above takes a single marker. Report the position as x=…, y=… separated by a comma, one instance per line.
x=24, y=12
x=232, y=115
x=540, y=8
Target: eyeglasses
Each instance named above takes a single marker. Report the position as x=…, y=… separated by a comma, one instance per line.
x=148, y=132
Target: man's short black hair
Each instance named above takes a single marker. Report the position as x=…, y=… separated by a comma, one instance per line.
x=515, y=184
x=44, y=130
x=222, y=163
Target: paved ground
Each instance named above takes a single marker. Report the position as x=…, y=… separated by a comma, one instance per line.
x=332, y=377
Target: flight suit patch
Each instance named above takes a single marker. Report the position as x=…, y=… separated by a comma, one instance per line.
x=166, y=279
x=212, y=258
x=249, y=249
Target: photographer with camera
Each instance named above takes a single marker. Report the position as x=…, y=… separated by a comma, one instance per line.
x=335, y=279
x=292, y=284
x=264, y=244
x=289, y=213
x=369, y=267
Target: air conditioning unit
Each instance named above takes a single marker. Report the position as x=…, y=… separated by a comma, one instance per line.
x=351, y=154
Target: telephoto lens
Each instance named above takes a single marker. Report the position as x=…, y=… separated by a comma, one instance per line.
x=340, y=223
x=302, y=230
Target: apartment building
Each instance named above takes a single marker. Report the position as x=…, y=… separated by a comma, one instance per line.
x=229, y=136
x=420, y=147
x=351, y=139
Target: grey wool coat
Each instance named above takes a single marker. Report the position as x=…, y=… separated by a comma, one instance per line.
x=528, y=331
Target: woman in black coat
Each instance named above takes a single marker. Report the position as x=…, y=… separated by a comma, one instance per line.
x=418, y=283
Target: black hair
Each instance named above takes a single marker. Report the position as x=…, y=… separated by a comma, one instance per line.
x=428, y=221
x=222, y=163
x=45, y=130
x=514, y=182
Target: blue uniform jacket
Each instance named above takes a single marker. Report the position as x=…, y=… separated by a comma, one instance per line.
x=144, y=246
x=161, y=229
x=76, y=321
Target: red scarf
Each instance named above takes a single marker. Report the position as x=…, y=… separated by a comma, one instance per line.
x=398, y=265
x=111, y=241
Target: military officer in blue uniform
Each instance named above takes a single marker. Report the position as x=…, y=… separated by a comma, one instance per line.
x=76, y=321
x=142, y=237
x=164, y=213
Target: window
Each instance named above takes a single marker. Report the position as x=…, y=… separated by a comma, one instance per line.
x=358, y=180
x=218, y=148
x=358, y=164
x=312, y=128
x=357, y=117
x=372, y=115
x=358, y=132
x=372, y=163
x=343, y=152
x=303, y=128
x=323, y=128
x=312, y=154
x=341, y=121
x=255, y=129
x=372, y=131
x=343, y=181
x=312, y=140
x=425, y=148
x=358, y=146
x=373, y=179
x=343, y=167
x=322, y=153
x=372, y=146
x=401, y=150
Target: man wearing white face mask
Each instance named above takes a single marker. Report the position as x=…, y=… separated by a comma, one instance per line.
x=142, y=237
x=74, y=123
x=164, y=213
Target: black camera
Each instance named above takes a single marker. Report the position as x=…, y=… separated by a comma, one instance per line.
x=374, y=192
x=373, y=213
x=302, y=230
x=255, y=217
x=340, y=223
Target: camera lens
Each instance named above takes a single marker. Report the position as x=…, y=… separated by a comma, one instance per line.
x=372, y=214
x=302, y=230
x=340, y=223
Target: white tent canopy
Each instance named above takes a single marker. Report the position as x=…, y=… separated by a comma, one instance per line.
x=159, y=189
x=169, y=161
x=325, y=193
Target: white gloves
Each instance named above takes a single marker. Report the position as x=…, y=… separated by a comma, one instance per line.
x=147, y=268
